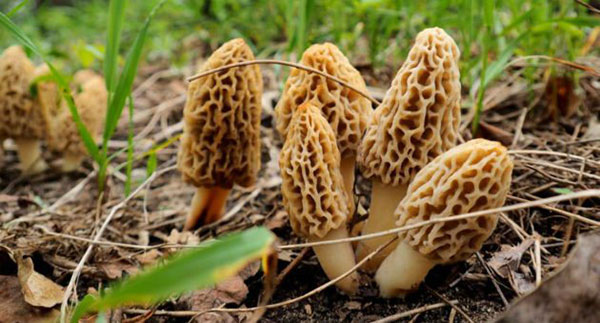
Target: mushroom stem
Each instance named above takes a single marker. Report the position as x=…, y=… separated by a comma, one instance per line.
x=336, y=259
x=207, y=207
x=384, y=200
x=71, y=162
x=402, y=271
x=347, y=167
x=30, y=156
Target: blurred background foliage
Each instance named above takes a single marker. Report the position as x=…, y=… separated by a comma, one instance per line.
x=374, y=33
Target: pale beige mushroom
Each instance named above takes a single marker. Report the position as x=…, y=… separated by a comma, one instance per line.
x=417, y=121
x=346, y=111
x=90, y=97
x=21, y=118
x=313, y=192
x=470, y=177
x=220, y=146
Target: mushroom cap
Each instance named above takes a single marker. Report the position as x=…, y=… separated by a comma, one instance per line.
x=420, y=113
x=312, y=186
x=90, y=96
x=48, y=97
x=220, y=145
x=346, y=111
x=470, y=177
x=18, y=116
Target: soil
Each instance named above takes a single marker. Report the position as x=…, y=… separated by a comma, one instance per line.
x=33, y=227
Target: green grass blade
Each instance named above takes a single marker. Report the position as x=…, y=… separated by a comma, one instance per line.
x=151, y=164
x=89, y=142
x=116, y=16
x=17, y=8
x=186, y=271
x=125, y=82
x=129, y=149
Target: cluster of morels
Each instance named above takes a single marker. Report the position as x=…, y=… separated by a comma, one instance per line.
x=32, y=110
x=406, y=147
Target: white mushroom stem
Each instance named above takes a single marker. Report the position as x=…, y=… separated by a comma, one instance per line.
x=30, y=156
x=384, y=201
x=207, y=207
x=338, y=258
x=347, y=167
x=71, y=162
x=402, y=271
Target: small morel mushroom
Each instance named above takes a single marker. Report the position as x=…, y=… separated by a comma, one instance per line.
x=20, y=117
x=417, y=121
x=346, y=111
x=220, y=146
x=90, y=98
x=471, y=177
x=313, y=191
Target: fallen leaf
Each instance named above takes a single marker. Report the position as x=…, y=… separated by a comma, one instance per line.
x=13, y=307
x=230, y=291
x=149, y=257
x=114, y=270
x=508, y=258
x=277, y=221
x=185, y=237
x=37, y=289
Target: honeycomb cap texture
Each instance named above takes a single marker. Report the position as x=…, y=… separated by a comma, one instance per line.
x=19, y=117
x=48, y=98
x=420, y=113
x=346, y=111
x=221, y=136
x=90, y=98
x=312, y=185
x=470, y=177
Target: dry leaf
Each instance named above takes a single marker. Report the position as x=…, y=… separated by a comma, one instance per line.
x=115, y=270
x=230, y=291
x=37, y=289
x=570, y=294
x=277, y=221
x=13, y=307
x=149, y=257
x=508, y=258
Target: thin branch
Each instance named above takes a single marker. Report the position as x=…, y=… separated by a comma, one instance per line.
x=88, y=252
x=589, y=6
x=418, y=310
x=294, y=65
x=271, y=306
x=536, y=203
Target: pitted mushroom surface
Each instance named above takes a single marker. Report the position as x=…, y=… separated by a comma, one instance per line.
x=417, y=121
x=471, y=177
x=220, y=146
x=313, y=191
x=346, y=111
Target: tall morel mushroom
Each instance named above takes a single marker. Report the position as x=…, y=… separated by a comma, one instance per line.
x=470, y=177
x=21, y=118
x=90, y=96
x=346, y=111
x=417, y=121
x=313, y=191
x=220, y=146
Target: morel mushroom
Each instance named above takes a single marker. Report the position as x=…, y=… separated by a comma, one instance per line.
x=220, y=146
x=313, y=191
x=417, y=121
x=90, y=98
x=346, y=111
x=470, y=177
x=20, y=117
